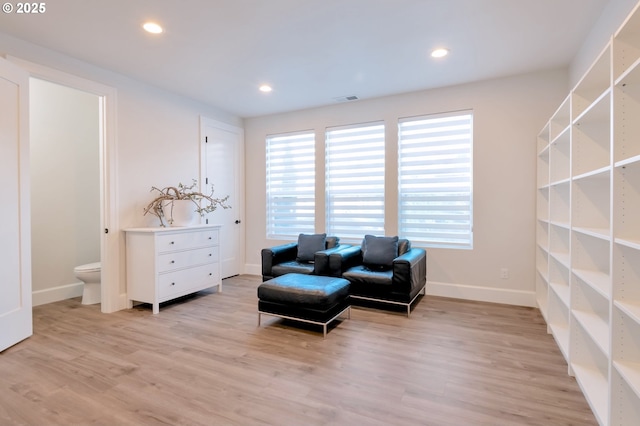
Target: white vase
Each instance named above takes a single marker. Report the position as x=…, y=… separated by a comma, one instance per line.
x=180, y=213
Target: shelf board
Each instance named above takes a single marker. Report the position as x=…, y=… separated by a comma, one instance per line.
x=592, y=106
x=634, y=244
x=544, y=152
x=565, y=225
x=562, y=291
x=595, y=388
x=630, y=309
x=602, y=233
x=560, y=181
x=630, y=75
x=601, y=173
x=560, y=333
x=630, y=372
x=595, y=328
x=562, y=133
x=599, y=281
x=562, y=113
x=635, y=160
x=544, y=133
x=543, y=274
x=542, y=305
x=563, y=258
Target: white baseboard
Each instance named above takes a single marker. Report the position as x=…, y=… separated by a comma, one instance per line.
x=252, y=269
x=482, y=294
x=123, y=302
x=55, y=294
x=459, y=291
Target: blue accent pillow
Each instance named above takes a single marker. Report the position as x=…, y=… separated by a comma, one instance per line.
x=379, y=252
x=308, y=245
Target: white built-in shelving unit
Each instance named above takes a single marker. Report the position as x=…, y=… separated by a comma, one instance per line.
x=588, y=229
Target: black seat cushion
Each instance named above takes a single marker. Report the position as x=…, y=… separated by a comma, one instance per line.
x=368, y=283
x=304, y=290
x=292, y=267
x=365, y=276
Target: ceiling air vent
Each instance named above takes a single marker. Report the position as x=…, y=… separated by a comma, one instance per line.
x=346, y=98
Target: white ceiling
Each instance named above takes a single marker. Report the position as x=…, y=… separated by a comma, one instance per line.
x=310, y=51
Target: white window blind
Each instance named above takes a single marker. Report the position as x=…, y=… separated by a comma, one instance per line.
x=435, y=180
x=290, y=185
x=354, y=173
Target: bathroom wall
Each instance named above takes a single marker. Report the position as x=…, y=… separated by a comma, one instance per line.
x=65, y=187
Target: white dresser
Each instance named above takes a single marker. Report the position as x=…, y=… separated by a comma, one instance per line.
x=166, y=263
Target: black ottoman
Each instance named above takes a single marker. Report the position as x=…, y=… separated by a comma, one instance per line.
x=313, y=299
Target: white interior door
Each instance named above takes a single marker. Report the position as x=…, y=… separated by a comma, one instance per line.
x=222, y=153
x=16, y=321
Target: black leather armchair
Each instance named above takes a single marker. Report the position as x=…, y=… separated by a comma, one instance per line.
x=398, y=279
x=286, y=258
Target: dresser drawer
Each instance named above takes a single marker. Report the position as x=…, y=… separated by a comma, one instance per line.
x=165, y=263
x=184, y=259
x=186, y=240
x=184, y=281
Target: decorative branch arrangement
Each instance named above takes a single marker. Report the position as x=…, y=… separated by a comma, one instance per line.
x=204, y=203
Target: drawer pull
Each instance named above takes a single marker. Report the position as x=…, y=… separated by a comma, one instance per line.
x=210, y=255
x=209, y=237
x=172, y=242
x=173, y=261
x=210, y=274
x=173, y=283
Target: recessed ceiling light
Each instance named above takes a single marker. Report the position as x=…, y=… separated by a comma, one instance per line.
x=439, y=53
x=152, y=27
x=265, y=88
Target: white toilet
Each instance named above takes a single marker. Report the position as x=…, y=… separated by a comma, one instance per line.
x=90, y=275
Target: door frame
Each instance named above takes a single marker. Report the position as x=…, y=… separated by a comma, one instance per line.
x=110, y=239
x=239, y=178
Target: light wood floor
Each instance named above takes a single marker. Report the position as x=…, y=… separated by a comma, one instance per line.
x=204, y=361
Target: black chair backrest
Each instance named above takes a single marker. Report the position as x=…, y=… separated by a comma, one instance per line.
x=332, y=242
x=404, y=246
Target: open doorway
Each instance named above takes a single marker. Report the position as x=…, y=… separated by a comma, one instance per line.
x=113, y=293
x=65, y=172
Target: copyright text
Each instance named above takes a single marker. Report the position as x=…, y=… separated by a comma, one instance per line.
x=24, y=8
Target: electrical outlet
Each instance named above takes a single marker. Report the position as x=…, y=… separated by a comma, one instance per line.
x=504, y=273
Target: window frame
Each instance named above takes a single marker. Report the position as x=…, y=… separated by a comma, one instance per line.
x=304, y=143
x=448, y=227
x=346, y=166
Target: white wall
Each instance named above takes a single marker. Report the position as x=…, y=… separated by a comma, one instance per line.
x=508, y=114
x=157, y=144
x=65, y=187
x=157, y=134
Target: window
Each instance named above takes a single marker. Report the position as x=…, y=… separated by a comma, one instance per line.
x=355, y=181
x=290, y=185
x=435, y=180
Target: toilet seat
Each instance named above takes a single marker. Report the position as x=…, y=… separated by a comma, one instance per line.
x=89, y=267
